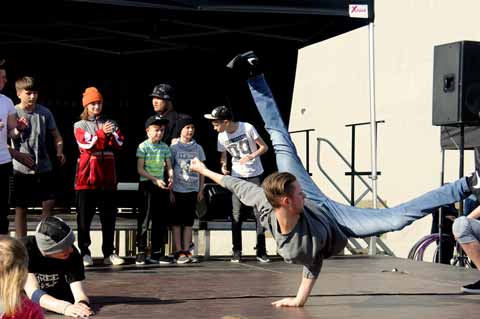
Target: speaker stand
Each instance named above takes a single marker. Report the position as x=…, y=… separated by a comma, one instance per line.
x=460, y=258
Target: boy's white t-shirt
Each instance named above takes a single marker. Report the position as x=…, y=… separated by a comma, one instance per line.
x=239, y=144
x=6, y=108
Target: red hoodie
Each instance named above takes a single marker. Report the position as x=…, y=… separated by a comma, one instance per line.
x=96, y=163
x=29, y=310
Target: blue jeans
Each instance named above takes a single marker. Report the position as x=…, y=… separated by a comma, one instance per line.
x=354, y=222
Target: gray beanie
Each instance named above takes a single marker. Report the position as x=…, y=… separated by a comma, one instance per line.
x=53, y=235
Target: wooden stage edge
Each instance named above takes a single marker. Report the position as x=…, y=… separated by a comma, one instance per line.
x=348, y=287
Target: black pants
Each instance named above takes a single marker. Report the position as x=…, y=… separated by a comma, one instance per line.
x=5, y=173
x=237, y=220
x=155, y=208
x=87, y=202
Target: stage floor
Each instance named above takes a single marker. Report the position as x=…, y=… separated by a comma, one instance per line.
x=348, y=287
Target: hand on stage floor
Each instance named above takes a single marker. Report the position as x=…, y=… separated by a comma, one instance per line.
x=78, y=310
x=287, y=302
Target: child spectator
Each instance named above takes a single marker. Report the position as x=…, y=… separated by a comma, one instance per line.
x=33, y=183
x=13, y=275
x=153, y=158
x=96, y=181
x=187, y=189
x=55, y=270
x=8, y=122
x=245, y=145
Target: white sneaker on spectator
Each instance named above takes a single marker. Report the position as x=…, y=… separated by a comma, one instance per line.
x=113, y=259
x=87, y=261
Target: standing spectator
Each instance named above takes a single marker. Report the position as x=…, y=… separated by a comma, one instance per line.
x=33, y=183
x=163, y=96
x=96, y=180
x=153, y=159
x=245, y=146
x=187, y=189
x=7, y=123
x=55, y=270
x=13, y=275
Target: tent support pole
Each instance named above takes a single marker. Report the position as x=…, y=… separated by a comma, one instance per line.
x=372, y=248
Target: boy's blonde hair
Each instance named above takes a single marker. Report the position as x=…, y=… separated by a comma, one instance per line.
x=13, y=273
x=277, y=185
x=26, y=83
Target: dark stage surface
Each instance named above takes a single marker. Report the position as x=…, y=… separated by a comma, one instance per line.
x=349, y=287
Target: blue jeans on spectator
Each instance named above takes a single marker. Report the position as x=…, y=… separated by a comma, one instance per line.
x=354, y=221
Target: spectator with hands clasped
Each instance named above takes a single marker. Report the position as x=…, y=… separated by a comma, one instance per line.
x=153, y=159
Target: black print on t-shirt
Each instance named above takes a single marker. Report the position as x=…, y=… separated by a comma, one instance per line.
x=239, y=147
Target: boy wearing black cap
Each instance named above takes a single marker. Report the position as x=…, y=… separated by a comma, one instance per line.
x=55, y=270
x=163, y=96
x=187, y=189
x=153, y=159
x=245, y=146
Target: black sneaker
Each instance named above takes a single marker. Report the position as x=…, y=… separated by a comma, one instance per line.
x=159, y=258
x=141, y=258
x=236, y=257
x=473, y=182
x=472, y=288
x=245, y=64
x=263, y=259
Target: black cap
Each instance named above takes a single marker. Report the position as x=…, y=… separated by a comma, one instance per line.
x=220, y=113
x=163, y=91
x=156, y=120
x=181, y=123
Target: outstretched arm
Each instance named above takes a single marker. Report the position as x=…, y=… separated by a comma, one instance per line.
x=53, y=304
x=199, y=167
x=475, y=214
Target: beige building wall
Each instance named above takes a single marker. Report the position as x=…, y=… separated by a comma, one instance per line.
x=331, y=91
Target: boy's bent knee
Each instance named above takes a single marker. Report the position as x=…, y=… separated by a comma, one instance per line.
x=462, y=229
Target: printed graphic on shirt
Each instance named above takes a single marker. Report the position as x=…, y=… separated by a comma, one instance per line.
x=238, y=147
x=46, y=281
x=187, y=178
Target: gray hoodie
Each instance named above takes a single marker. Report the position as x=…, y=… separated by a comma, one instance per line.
x=316, y=235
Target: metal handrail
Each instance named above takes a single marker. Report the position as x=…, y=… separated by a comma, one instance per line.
x=307, y=148
x=319, y=165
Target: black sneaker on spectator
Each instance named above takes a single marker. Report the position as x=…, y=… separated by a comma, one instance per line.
x=236, y=257
x=245, y=65
x=159, y=258
x=472, y=288
x=473, y=182
x=263, y=259
x=141, y=259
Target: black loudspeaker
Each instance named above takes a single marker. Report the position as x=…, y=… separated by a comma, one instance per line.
x=456, y=84
x=218, y=202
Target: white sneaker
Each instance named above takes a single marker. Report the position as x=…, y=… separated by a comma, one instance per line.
x=113, y=259
x=87, y=261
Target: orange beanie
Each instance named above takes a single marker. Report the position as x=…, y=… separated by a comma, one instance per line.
x=91, y=95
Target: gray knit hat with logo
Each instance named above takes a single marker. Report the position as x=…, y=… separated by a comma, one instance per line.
x=53, y=235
